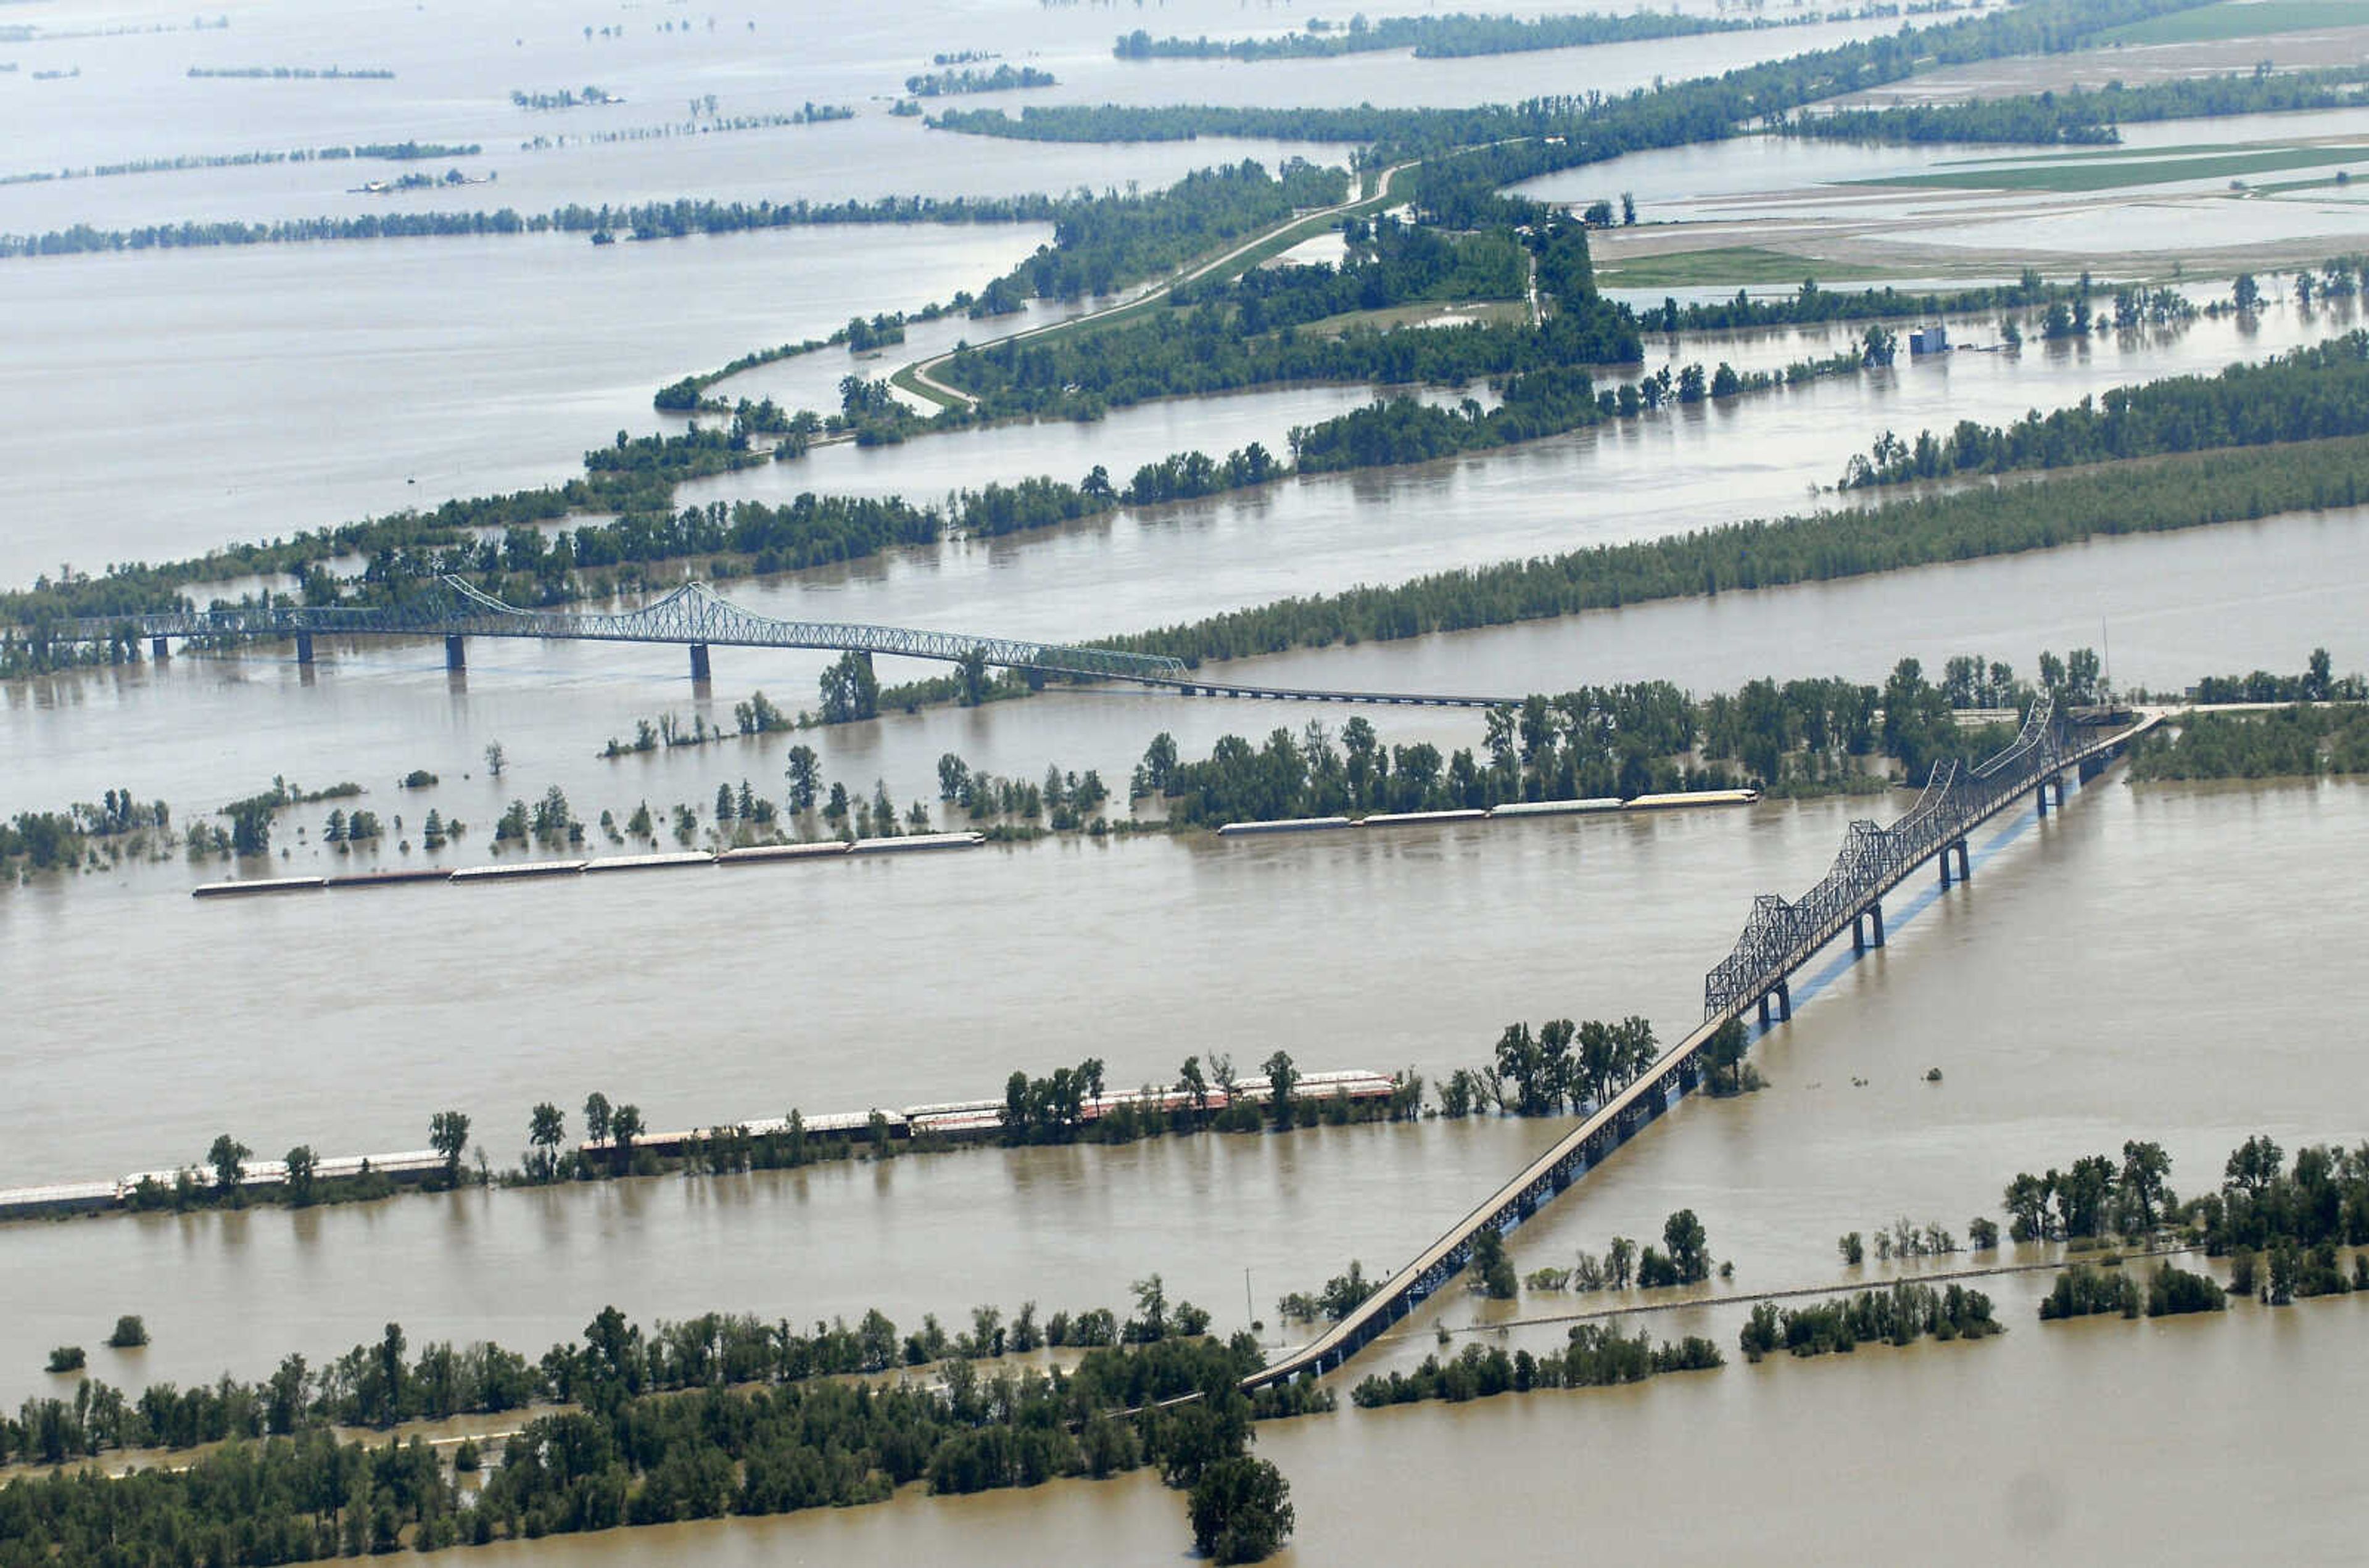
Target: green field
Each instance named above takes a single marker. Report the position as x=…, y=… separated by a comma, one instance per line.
x=2210, y=23
x=2100, y=154
x=1509, y=312
x=2105, y=173
x=1737, y=265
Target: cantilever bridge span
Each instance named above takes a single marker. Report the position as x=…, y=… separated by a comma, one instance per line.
x=694, y=615
x=1781, y=936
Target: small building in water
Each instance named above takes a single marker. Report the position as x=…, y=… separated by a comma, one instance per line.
x=1933, y=339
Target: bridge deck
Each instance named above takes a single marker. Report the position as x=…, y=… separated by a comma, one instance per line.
x=1563, y=1162
x=696, y=616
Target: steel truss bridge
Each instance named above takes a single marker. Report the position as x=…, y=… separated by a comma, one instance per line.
x=1780, y=937
x=694, y=615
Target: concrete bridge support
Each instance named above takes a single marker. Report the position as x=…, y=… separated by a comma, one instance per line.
x=699, y=663
x=160, y=648
x=1867, y=928
x=304, y=647
x=456, y=652
x=1782, y=994
x=2052, y=781
x=1965, y=867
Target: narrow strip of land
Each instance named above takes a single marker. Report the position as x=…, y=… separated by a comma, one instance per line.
x=919, y=378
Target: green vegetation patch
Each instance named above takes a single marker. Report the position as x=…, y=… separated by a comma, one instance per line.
x=2102, y=174
x=1507, y=313
x=2260, y=18
x=1741, y=264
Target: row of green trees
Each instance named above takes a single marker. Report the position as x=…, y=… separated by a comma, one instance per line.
x=1811, y=305
x=1536, y=1074
x=2085, y=1290
x=2310, y=394
x=42, y=841
x=2178, y=492
x=1003, y=78
x=386, y=1383
x=652, y=219
x=1595, y=1357
x=1504, y=143
x=1799, y=737
x=2081, y=115
x=1899, y=1315
x=624, y=1459
x=2262, y=1205
x=2296, y=742
x=392, y=151
x=1457, y=36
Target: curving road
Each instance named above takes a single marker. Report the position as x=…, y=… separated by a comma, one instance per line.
x=924, y=370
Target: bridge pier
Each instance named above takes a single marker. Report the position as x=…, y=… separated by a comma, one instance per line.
x=1867, y=928
x=1965, y=867
x=699, y=672
x=456, y=652
x=2055, y=782
x=160, y=648
x=304, y=647
x=1782, y=994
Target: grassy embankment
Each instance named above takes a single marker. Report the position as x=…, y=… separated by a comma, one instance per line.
x=2242, y=18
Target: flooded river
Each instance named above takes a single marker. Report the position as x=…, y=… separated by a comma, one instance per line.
x=2135, y=967
x=2071, y=994
x=2055, y=993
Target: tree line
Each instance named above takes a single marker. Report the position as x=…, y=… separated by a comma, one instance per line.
x=2178, y=492
x=1594, y=1356
x=2296, y=743
x=1811, y=305
x=390, y=151
x=2279, y=1224
x=1505, y=143
x=46, y=840
x=628, y=1458
x=383, y=1383
x=2084, y=116
x=2087, y=1291
x=1003, y=78
x=1457, y=36
x=1900, y=1315
x=650, y=220
x=1802, y=737
x=2311, y=393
